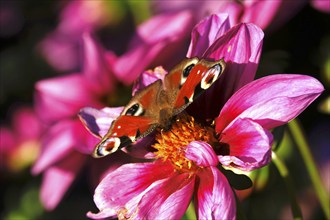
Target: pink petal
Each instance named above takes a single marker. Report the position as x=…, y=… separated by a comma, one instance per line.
x=156, y=41
x=110, y=197
x=85, y=142
x=214, y=198
x=321, y=5
x=26, y=124
x=58, y=178
x=206, y=32
x=201, y=153
x=241, y=49
x=271, y=101
x=260, y=13
x=58, y=143
x=249, y=145
x=167, y=200
x=96, y=68
x=55, y=46
x=97, y=121
x=63, y=97
x=148, y=77
x=7, y=142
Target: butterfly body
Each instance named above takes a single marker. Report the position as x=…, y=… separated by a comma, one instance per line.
x=157, y=104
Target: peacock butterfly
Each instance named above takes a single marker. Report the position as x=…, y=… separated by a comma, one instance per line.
x=155, y=105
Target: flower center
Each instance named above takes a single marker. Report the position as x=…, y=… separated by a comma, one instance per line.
x=171, y=144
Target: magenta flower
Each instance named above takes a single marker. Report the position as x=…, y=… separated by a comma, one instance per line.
x=67, y=145
x=66, y=142
x=20, y=142
x=265, y=14
x=163, y=190
x=186, y=157
x=73, y=22
x=321, y=5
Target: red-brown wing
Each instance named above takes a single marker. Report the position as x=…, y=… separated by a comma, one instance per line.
x=200, y=78
x=138, y=119
x=178, y=75
x=124, y=131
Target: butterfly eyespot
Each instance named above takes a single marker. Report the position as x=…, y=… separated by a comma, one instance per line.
x=186, y=71
x=135, y=110
x=107, y=146
x=211, y=76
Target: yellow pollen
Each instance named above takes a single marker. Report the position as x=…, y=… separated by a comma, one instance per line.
x=171, y=144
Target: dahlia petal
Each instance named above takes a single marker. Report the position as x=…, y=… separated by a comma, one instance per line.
x=148, y=77
x=201, y=153
x=214, y=198
x=59, y=141
x=7, y=141
x=63, y=97
x=154, y=37
x=58, y=178
x=206, y=32
x=85, y=142
x=110, y=197
x=54, y=46
x=241, y=48
x=321, y=5
x=252, y=12
x=249, y=145
x=271, y=100
x=97, y=121
x=95, y=65
x=26, y=124
x=167, y=200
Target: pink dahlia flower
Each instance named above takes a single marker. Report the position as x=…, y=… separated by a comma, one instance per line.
x=186, y=157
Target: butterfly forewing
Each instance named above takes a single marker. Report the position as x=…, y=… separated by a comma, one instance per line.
x=201, y=77
x=178, y=75
x=124, y=131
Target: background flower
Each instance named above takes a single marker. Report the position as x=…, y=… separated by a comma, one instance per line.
x=20, y=142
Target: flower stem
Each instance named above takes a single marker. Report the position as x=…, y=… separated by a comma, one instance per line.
x=306, y=154
x=296, y=211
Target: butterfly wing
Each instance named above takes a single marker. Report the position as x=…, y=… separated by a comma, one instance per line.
x=200, y=78
x=138, y=119
x=124, y=131
x=178, y=75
